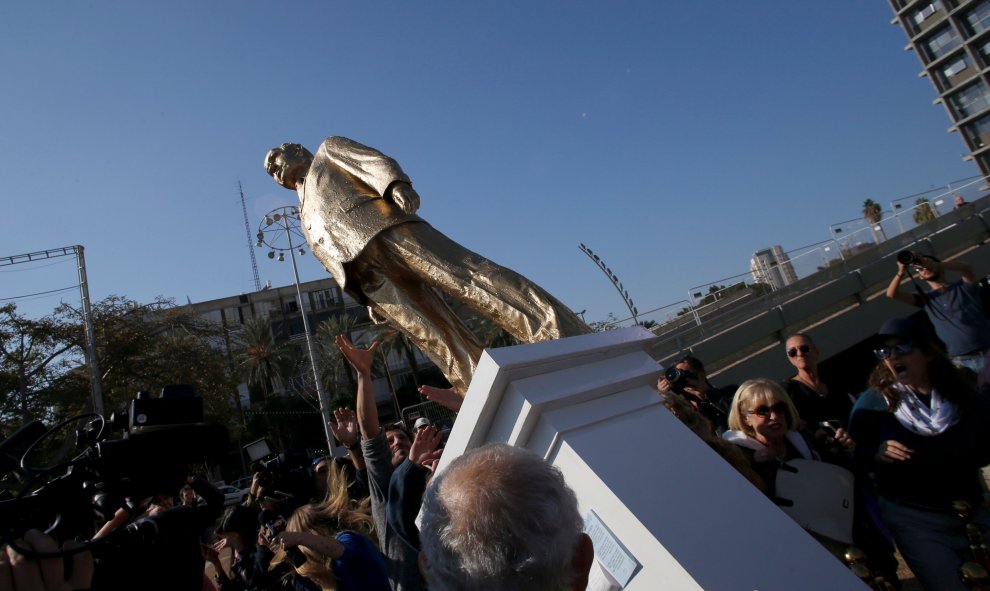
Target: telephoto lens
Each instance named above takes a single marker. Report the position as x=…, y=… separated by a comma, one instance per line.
x=905, y=257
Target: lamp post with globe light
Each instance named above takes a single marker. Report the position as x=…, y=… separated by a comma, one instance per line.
x=276, y=232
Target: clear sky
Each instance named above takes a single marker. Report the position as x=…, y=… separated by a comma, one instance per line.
x=675, y=139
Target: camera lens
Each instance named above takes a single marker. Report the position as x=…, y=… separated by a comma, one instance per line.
x=673, y=375
x=905, y=257
x=266, y=479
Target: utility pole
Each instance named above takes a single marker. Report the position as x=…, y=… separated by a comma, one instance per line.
x=87, y=313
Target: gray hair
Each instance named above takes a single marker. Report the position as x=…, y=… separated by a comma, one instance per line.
x=500, y=517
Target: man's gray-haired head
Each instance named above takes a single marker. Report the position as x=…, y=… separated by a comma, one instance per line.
x=500, y=517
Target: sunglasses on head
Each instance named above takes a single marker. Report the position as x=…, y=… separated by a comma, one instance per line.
x=793, y=351
x=900, y=349
x=764, y=411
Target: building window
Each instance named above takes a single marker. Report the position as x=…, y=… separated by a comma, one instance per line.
x=941, y=43
x=956, y=66
x=922, y=14
x=978, y=19
x=325, y=298
x=953, y=72
x=978, y=132
x=970, y=100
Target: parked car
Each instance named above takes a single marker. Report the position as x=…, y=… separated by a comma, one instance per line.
x=242, y=482
x=231, y=494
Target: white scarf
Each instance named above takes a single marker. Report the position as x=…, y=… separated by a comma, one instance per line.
x=763, y=453
x=920, y=419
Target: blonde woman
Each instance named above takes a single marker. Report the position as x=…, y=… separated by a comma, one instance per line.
x=763, y=422
x=335, y=536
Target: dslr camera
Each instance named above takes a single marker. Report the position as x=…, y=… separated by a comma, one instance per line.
x=906, y=257
x=679, y=377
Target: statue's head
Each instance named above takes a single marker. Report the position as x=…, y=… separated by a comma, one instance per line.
x=288, y=163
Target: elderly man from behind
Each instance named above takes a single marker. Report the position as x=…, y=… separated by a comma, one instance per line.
x=501, y=517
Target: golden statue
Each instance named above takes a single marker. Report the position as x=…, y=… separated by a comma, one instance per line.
x=357, y=209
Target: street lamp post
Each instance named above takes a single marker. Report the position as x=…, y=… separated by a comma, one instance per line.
x=614, y=279
x=278, y=224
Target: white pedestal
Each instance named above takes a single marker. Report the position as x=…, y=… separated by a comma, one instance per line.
x=589, y=405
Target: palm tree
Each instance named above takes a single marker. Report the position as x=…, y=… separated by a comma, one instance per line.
x=492, y=335
x=923, y=211
x=396, y=340
x=873, y=213
x=264, y=362
x=335, y=372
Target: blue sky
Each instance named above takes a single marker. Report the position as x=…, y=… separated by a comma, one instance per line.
x=674, y=139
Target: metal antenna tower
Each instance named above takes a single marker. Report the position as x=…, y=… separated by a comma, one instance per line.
x=250, y=242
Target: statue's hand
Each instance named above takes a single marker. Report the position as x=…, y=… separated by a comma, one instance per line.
x=405, y=197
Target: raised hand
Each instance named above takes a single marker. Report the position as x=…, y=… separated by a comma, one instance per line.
x=21, y=573
x=446, y=397
x=345, y=427
x=405, y=197
x=424, y=447
x=360, y=359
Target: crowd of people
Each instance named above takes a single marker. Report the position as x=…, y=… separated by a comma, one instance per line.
x=897, y=466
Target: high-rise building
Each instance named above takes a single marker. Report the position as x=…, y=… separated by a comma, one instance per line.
x=952, y=41
x=771, y=266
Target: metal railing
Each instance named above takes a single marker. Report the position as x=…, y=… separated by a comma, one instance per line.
x=718, y=305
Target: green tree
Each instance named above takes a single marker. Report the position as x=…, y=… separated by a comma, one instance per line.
x=335, y=372
x=143, y=347
x=923, y=211
x=33, y=356
x=263, y=362
x=610, y=323
x=490, y=334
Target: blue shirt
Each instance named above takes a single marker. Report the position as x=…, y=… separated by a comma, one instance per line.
x=361, y=566
x=957, y=314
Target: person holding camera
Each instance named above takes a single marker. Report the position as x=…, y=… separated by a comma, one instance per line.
x=954, y=308
x=687, y=378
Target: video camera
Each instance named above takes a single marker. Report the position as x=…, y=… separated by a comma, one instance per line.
x=69, y=478
x=284, y=477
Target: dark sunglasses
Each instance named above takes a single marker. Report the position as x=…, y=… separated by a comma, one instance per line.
x=763, y=411
x=793, y=351
x=888, y=352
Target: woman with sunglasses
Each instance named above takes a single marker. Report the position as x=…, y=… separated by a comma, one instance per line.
x=763, y=424
x=923, y=434
x=811, y=396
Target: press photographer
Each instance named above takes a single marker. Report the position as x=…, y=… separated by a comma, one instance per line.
x=687, y=378
x=75, y=478
x=955, y=308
